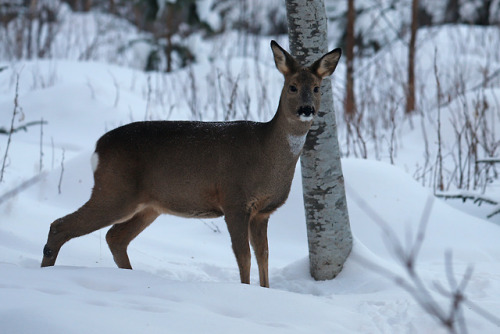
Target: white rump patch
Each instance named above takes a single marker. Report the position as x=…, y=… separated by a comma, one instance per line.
x=94, y=161
x=296, y=143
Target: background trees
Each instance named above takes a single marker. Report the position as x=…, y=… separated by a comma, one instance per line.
x=167, y=23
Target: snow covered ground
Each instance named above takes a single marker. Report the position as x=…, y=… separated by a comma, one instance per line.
x=185, y=278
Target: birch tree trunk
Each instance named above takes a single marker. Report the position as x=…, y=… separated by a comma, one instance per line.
x=328, y=230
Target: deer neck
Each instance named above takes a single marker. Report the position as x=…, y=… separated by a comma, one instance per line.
x=288, y=134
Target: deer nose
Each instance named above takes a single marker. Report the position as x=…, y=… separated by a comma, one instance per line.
x=306, y=111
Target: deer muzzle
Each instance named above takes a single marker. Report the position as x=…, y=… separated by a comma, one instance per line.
x=306, y=111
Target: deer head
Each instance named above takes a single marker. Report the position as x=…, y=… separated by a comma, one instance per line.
x=301, y=92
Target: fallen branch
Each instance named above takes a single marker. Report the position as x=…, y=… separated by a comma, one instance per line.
x=476, y=198
x=24, y=127
x=23, y=186
x=494, y=212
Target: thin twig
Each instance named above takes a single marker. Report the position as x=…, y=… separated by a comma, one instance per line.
x=439, y=158
x=117, y=89
x=52, y=147
x=62, y=172
x=23, y=127
x=14, y=113
x=453, y=320
x=212, y=226
x=23, y=186
x=41, y=145
x=422, y=227
x=494, y=212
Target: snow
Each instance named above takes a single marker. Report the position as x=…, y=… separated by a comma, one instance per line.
x=185, y=277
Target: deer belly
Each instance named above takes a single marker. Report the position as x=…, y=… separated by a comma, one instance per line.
x=190, y=211
x=189, y=203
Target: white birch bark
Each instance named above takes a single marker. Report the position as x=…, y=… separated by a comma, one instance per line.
x=328, y=230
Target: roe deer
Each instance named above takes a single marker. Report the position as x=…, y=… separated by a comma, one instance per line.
x=242, y=170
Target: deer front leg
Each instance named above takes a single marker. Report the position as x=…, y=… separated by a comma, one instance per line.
x=258, y=239
x=237, y=225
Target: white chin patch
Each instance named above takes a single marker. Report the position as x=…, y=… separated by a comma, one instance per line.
x=296, y=143
x=94, y=161
x=305, y=118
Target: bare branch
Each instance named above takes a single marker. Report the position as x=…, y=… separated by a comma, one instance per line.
x=212, y=226
x=23, y=127
x=23, y=186
x=11, y=131
x=422, y=227
x=453, y=320
x=477, y=198
x=488, y=161
x=62, y=172
x=494, y=212
x=41, y=146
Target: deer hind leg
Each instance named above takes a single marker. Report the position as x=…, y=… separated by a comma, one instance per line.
x=258, y=239
x=237, y=225
x=93, y=215
x=120, y=235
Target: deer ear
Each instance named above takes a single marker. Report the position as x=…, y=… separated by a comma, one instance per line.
x=326, y=64
x=284, y=61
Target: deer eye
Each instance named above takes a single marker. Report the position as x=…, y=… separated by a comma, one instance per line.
x=293, y=88
x=316, y=89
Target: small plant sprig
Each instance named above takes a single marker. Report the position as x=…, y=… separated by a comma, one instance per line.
x=15, y=112
x=452, y=318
